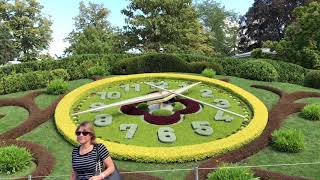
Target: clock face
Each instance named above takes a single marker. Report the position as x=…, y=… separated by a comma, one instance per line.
x=157, y=123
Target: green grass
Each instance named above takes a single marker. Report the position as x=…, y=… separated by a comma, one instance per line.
x=47, y=135
x=311, y=152
x=13, y=116
x=25, y=172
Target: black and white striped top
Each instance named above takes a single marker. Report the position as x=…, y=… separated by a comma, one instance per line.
x=85, y=165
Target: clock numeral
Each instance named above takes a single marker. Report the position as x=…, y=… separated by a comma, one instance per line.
x=114, y=95
x=221, y=117
x=103, y=120
x=206, y=93
x=202, y=128
x=166, y=135
x=109, y=95
x=161, y=84
x=102, y=94
x=222, y=103
x=132, y=128
x=96, y=105
x=126, y=87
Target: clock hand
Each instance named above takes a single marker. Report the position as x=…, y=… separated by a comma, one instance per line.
x=201, y=102
x=181, y=90
x=148, y=97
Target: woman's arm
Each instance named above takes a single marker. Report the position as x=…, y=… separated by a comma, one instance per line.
x=109, y=167
x=73, y=175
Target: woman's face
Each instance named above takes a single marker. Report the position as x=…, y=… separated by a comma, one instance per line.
x=83, y=135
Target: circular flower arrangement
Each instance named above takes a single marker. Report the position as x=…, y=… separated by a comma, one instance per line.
x=130, y=128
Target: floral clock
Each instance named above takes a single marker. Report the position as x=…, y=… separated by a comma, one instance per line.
x=163, y=117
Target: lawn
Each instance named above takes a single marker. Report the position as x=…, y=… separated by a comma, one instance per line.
x=48, y=136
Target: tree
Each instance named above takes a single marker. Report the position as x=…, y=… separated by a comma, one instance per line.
x=7, y=50
x=221, y=25
x=93, y=33
x=169, y=24
x=266, y=20
x=301, y=44
x=28, y=29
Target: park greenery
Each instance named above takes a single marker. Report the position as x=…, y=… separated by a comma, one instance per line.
x=181, y=36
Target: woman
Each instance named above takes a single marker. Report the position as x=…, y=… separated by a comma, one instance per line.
x=84, y=157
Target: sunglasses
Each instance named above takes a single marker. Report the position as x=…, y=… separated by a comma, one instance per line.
x=85, y=133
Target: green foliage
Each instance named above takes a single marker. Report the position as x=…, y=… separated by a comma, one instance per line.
x=261, y=22
x=311, y=112
x=97, y=71
x=208, y=73
x=233, y=173
x=258, y=70
x=161, y=112
x=30, y=80
x=143, y=106
x=257, y=53
x=167, y=24
x=30, y=30
x=289, y=72
x=197, y=67
x=93, y=33
x=150, y=63
x=14, y=159
x=57, y=86
x=222, y=36
x=301, y=43
x=312, y=79
x=178, y=106
x=290, y=140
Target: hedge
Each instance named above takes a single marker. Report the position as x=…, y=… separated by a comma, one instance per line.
x=30, y=80
x=258, y=70
x=73, y=64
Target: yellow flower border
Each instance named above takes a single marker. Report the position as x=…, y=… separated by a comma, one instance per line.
x=66, y=126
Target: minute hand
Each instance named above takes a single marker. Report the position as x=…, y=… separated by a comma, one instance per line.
x=148, y=97
x=201, y=102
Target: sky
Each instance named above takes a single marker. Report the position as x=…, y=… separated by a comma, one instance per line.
x=61, y=13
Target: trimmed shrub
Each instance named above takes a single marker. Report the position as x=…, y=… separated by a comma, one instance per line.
x=57, y=86
x=177, y=106
x=150, y=63
x=161, y=112
x=258, y=70
x=216, y=67
x=311, y=112
x=195, y=58
x=208, y=73
x=14, y=159
x=231, y=65
x=198, y=67
x=97, y=71
x=234, y=173
x=143, y=106
x=31, y=80
x=290, y=140
x=256, y=53
x=312, y=79
x=289, y=72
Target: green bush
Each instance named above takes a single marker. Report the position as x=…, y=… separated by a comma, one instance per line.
x=31, y=80
x=57, y=86
x=234, y=173
x=231, y=65
x=198, y=67
x=161, y=112
x=14, y=159
x=195, y=58
x=178, y=106
x=150, y=63
x=97, y=71
x=258, y=70
x=208, y=73
x=289, y=72
x=143, y=106
x=311, y=112
x=256, y=53
x=290, y=140
x=312, y=79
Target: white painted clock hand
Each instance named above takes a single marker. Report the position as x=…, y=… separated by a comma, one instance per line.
x=196, y=100
x=148, y=97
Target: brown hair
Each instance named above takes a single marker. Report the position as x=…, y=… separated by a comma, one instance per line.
x=88, y=126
